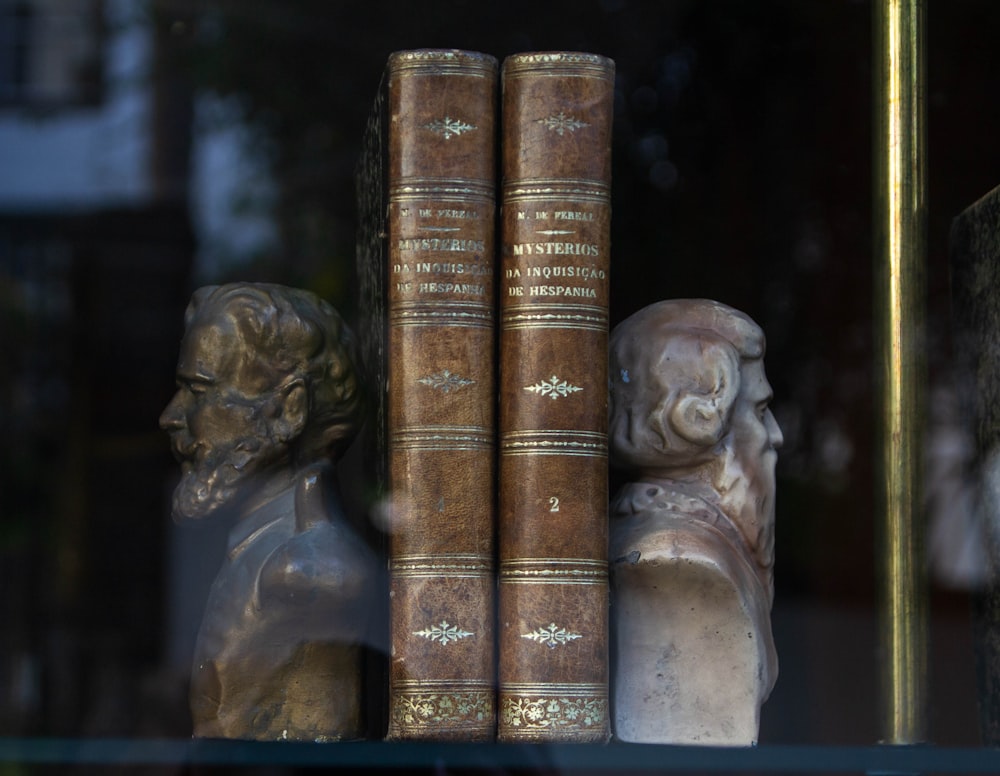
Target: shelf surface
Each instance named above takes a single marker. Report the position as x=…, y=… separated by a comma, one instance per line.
x=565, y=758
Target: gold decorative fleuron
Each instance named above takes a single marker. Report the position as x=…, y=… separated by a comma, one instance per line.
x=436, y=708
x=448, y=127
x=561, y=123
x=552, y=636
x=553, y=712
x=445, y=381
x=554, y=388
x=444, y=633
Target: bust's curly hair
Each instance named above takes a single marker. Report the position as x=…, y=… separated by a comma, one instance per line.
x=659, y=355
x=294, y=334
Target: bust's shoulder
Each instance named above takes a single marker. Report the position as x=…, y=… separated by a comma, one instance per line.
x=326, y=559
x=644, y=510
x=656, y=526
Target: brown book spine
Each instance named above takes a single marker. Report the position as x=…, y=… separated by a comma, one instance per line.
x=553, y=485
x=440, y=179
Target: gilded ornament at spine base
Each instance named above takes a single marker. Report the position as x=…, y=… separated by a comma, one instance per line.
x=421, y=709
x=525, y=714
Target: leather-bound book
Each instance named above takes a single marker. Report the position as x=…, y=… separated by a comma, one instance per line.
x=553, y=571
x=427, y=266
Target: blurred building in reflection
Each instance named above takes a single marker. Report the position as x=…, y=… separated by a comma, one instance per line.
x=96, y=248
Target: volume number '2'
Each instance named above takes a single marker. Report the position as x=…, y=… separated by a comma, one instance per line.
x=553, y=504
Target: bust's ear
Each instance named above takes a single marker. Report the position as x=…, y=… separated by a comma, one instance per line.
x=698, y=419
x=702, y=418
x=291, y=421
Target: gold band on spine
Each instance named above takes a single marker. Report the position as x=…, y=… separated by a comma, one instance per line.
x=553, y=571
x=563, y=316
x=443, y=61
x=441, y=438
x=545, y=442
x=452, y=189
x=536, y=195
x=434, y=566
x=557, y=187
x=557, y=63
x=476, y=315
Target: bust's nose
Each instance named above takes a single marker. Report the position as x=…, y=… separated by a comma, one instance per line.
x=774, y=431
x=172, y=418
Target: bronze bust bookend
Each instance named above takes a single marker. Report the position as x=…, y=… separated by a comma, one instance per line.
x=268, y=397
x=692, y=535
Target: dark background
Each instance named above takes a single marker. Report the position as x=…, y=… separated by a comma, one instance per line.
x=742, y=172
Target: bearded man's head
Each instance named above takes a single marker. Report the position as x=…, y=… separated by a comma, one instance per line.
x=266, y=379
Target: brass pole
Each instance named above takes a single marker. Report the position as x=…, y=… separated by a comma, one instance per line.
x=899, y=225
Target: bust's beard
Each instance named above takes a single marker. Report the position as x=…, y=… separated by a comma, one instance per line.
x=746, y=495
x=216, y=479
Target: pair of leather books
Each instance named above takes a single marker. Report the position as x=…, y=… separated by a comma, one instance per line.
x=493, y=454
